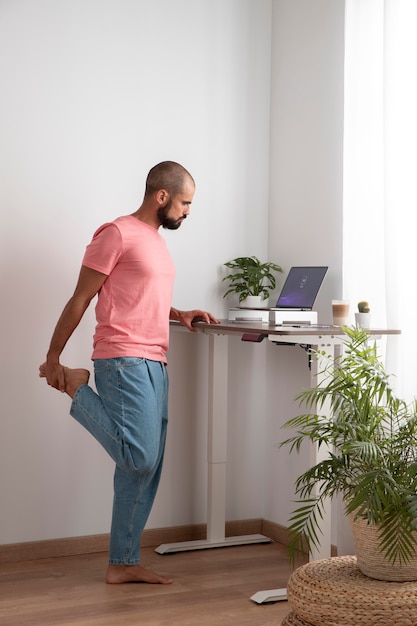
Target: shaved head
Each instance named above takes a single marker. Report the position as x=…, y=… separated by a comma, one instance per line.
x=167, y=175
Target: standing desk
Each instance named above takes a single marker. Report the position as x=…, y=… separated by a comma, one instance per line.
x=320, y=338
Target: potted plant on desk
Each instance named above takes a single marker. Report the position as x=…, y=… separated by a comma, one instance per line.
x=251, y=280
x=363, y=315
x=371, y=461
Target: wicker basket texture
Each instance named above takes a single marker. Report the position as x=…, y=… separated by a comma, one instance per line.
x=334, y=592
x=293, y=620
x=371, y=561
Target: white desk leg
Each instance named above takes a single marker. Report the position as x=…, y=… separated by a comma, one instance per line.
x=216, y=457
x=217, y=437
x=316, y=455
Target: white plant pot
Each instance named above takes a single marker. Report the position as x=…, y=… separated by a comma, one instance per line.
x=254, y=302
x=363, y=319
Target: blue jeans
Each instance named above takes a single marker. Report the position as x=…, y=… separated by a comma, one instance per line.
x=129, y=417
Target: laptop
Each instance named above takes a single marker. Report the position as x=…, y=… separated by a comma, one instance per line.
x=301, y=288
x=295, y=302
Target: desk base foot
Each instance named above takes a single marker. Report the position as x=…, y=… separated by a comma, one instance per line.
x=184, y=546
x=270, y=595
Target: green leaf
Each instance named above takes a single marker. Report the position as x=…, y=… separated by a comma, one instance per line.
x=250, y=277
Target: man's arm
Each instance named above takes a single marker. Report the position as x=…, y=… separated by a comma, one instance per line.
x=186, y=318
x=88, y=285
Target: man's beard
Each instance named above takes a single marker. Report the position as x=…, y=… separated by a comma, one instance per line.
x=169, y=222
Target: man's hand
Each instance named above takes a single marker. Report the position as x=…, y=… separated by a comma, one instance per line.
x=54, y=374
x=186, y=318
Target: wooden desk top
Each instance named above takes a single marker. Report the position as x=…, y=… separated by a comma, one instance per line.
x=230, y=328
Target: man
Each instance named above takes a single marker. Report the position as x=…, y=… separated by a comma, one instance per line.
x=128, y=265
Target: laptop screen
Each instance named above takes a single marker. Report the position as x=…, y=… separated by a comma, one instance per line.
x=301, y=287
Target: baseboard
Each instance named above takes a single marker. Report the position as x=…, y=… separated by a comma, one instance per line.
x=274, y=531
x=70, y=546
x=280, y=534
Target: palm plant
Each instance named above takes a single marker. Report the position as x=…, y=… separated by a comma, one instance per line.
x=372, y=457
x=251, y=277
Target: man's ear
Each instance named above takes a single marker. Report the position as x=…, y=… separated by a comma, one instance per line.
x=162, y=197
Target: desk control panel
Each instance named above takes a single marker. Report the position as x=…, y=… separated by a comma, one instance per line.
x=254, y=337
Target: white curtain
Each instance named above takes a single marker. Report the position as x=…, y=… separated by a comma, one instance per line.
x=380, y=173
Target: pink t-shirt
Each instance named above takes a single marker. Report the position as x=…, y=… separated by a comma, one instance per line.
x=134, y=302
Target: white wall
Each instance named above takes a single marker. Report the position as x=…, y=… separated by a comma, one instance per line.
x=95, y=92
x=305, y=220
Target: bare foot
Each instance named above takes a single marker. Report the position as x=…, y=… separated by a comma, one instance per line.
x=118, y=574
x=74, y=378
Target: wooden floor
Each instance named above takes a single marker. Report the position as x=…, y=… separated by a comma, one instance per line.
x=211, y=587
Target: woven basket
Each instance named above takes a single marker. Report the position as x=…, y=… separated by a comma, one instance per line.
x=370, y=559
x=293, y=620
x=334, y=592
